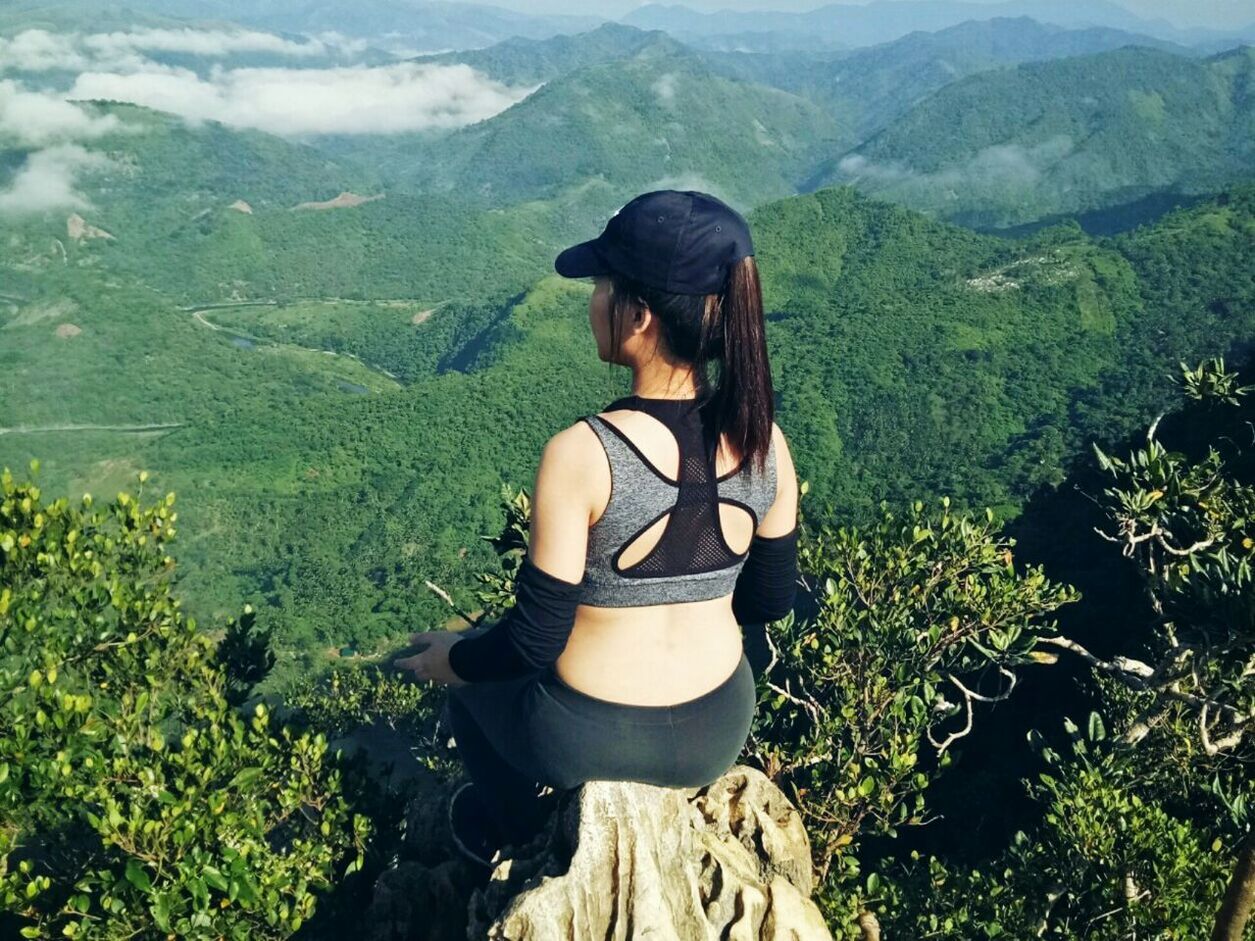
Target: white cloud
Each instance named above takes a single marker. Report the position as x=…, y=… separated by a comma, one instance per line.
x=349, y=100
x=37, y=50
x=664, y=88
x=38, y=118
x=999, y=165
x=198, y=42
x=859, y=167
x=47, y=180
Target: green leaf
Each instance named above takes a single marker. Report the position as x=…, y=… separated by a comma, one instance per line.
x=161, y=911
x=246, y=776
x=137, y=877
x=214, y=878
x=1097, y=731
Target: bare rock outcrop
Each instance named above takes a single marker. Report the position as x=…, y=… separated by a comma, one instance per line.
x=78, y=229
x=623, y=860
x=345, y=200
x=240, y=206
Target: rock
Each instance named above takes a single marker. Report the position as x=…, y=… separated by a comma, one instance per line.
x=79, y=230
x=617, y=861
x=67, y=330
x=626, y=860
x=345, y=200
x=414, y=901
x=240, y=206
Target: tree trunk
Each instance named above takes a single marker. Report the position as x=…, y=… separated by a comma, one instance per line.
x=1239, y=899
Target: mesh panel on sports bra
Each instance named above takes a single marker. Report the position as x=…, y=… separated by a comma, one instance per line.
x=692, y=540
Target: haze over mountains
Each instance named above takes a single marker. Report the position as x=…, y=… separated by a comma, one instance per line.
x=299, y=265
x=854, y=25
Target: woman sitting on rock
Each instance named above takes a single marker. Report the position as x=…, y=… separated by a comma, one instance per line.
x=658, y=527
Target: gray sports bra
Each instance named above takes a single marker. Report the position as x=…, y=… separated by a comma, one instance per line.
x=691, y=561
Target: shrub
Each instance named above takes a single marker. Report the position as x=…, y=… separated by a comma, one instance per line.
x=132, y=794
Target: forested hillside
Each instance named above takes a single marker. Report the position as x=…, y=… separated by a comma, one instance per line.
x=870, y=88
x=347, y=344
x=634, y=124
x=956, y=363
x=1008, y=146
x=293, y=262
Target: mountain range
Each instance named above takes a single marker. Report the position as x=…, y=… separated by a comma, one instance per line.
x=1006, y=146
x=855, y=25
x=338, y=347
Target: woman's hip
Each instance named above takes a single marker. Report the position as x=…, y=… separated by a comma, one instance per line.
x=563, y=737
x=573, y=737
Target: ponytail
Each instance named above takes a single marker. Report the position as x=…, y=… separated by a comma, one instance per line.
x=744, y=400
x=726, y=328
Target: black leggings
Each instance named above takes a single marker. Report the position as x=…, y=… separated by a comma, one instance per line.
x=518, y=736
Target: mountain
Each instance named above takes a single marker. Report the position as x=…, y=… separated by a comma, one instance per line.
x=885, y=20
x=658, y=118
x=870, y=88
x=207, y=214
x=912, y=358
x=399, y=25
x=523, y=61
x=82, y=15
x=1005, y=147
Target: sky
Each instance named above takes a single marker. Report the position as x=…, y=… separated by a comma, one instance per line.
x=1217, y=14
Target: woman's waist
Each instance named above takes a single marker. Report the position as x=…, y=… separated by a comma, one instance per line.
x=652, y=655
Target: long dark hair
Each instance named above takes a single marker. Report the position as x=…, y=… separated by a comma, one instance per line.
x=725, y=328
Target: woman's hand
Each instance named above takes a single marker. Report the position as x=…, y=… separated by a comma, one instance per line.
x=432, y=663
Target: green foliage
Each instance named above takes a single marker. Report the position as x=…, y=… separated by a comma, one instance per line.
x=626, y=124
x=131, y=793
x=1191, y=527
x=1009, y=146
x=1145, y=820
x=919, y=618
x=1114, y=858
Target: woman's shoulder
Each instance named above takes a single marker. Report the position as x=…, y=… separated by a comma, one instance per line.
x=572, y=442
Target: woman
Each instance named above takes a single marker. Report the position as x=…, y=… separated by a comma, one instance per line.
x=657, y=525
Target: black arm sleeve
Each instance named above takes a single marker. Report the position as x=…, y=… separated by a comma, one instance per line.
x=767, y=584
x=532, y=634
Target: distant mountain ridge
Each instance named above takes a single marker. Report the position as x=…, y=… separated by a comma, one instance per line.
x=416, y=25
x=522, y=61
x=871, y=87
x=885, y=20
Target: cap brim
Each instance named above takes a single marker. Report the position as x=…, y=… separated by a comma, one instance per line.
x=581, y=261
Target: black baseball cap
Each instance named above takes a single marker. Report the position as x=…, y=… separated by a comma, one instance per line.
x=680, y=241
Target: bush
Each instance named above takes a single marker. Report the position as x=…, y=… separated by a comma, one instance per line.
x=132, y=794
x=919, y=619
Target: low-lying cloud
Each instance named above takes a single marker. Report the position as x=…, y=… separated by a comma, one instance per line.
x=35, y=119
x=294, y=102
x=37, y=50
x=664, y=88
x=47, y=180
x=999, y=165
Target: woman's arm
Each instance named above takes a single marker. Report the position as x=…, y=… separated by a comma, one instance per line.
x=534, y=632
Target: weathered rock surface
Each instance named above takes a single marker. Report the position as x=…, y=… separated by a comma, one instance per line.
x=345, y=200
x=78, y=229
x=623, y=860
